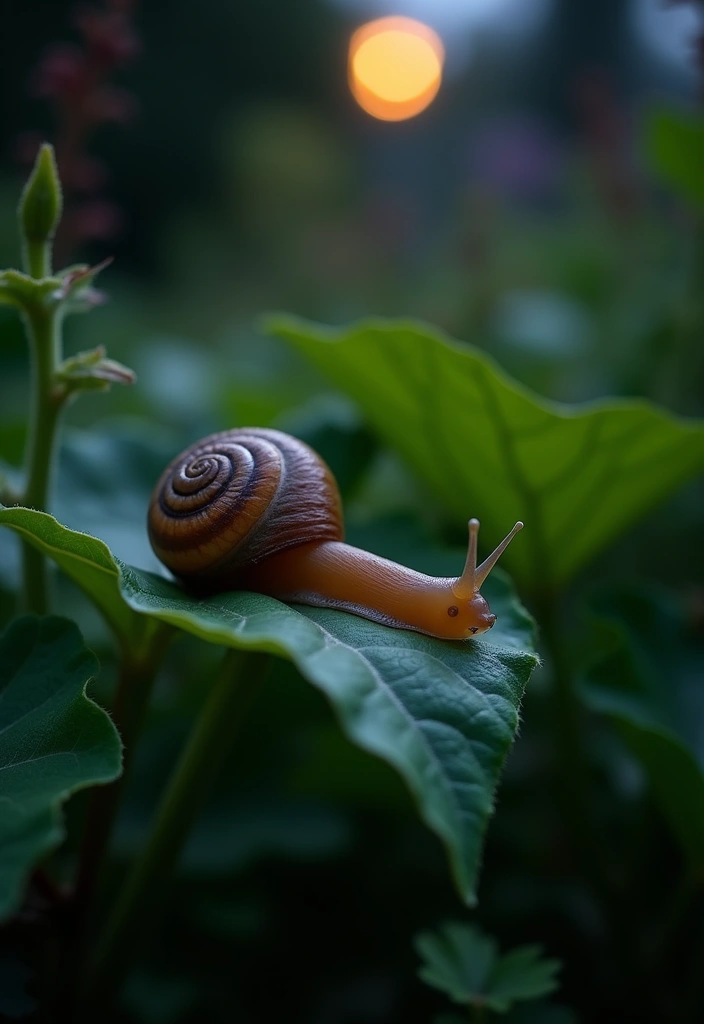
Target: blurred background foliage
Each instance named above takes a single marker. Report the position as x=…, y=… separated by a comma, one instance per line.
x=527, y=211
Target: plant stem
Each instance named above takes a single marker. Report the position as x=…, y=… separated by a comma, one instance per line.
x=135, y=684
x=36, y=257
x=200, y=761
x=134, y=689
x=44, y=330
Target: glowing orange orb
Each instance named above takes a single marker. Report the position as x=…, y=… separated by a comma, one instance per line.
x=395, y=67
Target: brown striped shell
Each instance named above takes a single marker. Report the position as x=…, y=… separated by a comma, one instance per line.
x=236, y=498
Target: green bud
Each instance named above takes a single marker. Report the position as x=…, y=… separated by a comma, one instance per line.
x=40, y=211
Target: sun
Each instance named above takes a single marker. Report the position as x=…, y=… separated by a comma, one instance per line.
x=395, y=67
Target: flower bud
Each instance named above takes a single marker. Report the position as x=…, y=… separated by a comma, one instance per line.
x=41, y=202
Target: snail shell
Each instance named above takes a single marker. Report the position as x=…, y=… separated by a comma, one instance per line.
x=237, y=498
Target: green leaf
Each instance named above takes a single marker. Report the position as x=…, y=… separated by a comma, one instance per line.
x=53, y=741
x=675, y=141
x=443, y=714
x=71, y=290
x=457, y=960
x=88, y=562
x=521, y=974
x=93, y=371
x=577, y=475
x=649, y=683
x=463, y=962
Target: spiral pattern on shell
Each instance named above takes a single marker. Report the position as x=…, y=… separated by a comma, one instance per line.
x=236, y=498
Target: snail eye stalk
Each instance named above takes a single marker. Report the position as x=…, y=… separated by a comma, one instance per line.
x=473, y=576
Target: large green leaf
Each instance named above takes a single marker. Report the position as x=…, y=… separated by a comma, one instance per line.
x=649, y=682
x=442, y=713
x=53, y=741
x=577, y=475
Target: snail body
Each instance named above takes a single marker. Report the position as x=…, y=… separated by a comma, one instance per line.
x=256, y=509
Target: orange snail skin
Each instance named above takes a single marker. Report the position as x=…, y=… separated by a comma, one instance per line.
x=256, y=509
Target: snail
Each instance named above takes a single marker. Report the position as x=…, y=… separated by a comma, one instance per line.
x=255, y=509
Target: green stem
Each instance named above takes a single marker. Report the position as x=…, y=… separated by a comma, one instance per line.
x=135, y=684
x=134, y=689
x=200, y=761
x=36, y=257
x=44, y=330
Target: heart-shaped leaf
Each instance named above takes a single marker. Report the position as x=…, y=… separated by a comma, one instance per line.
x=442, y=713
x=577, y=475
x=53, y=741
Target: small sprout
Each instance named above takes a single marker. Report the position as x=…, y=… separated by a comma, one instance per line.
x=466, y=965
